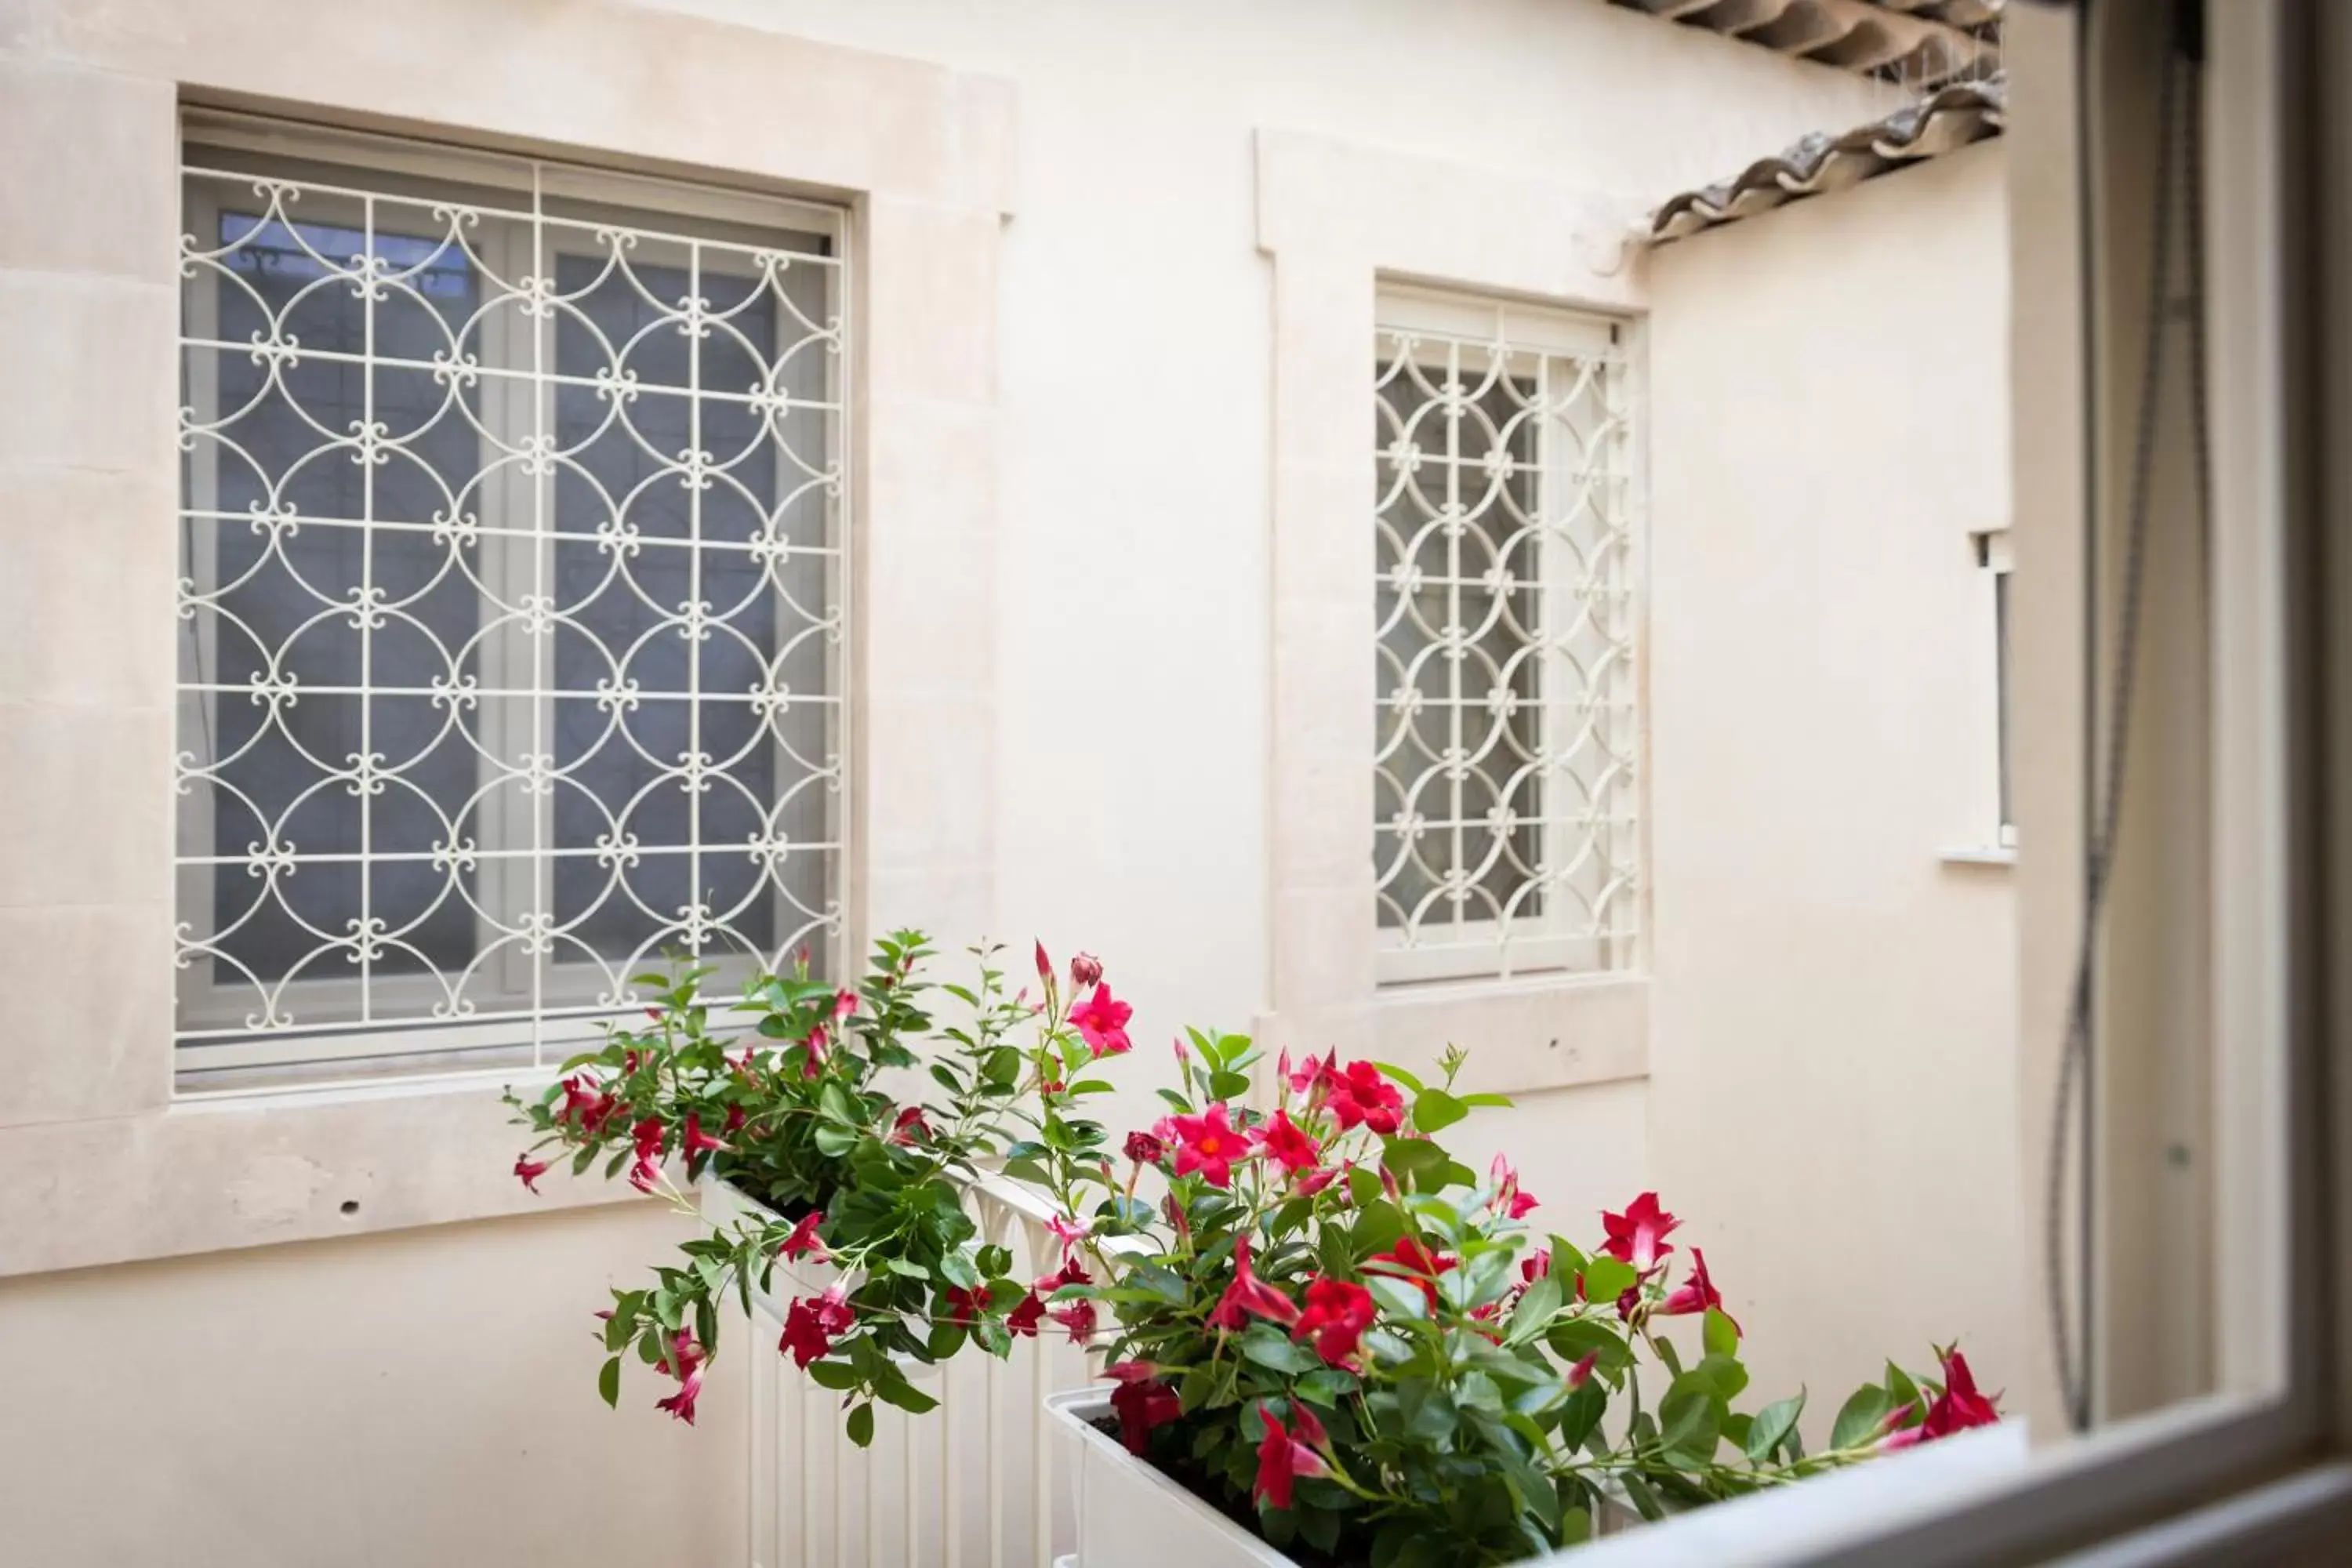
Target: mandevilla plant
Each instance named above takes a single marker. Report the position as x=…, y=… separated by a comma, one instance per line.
x=844, y=1175
x=1349, y=1341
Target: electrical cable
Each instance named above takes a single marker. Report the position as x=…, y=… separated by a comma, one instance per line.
x=2179, y=127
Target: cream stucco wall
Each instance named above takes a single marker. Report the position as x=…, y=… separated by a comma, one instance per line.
x=1833, y=1091
x=422, y=1395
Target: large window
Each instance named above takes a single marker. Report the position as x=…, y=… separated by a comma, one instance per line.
x=1506, y=788
x=512, y=565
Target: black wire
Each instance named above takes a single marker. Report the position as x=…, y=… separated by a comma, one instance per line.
x=2179, y=117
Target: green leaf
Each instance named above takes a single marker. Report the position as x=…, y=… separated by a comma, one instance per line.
x=1720, y=1334
x=1860, y=1416
x=1390, y=1070
x=861, y=1425
x=1606, y=1278
x=906, y=1267
x=608, y=1382
x=833, y=1141
x=1581, y=1415
x=1690, y=1422
x=958, y=1269
x=1720, y=1375
x=1398, y=1297
x=1902, y=1391
x=1271, y=1348
x=1434, y=1109
x=1577, y=1338
x=908, y=1397
x=837, y=1376
x=1772, y=1425
x=1534, y=1313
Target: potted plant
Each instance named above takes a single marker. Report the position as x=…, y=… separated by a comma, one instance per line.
x=765, y=1117
x=1333, y=1343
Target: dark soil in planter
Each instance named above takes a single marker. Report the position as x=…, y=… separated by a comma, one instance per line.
x=1174, y=1460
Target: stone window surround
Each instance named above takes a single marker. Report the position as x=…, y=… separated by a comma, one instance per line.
x=99, y=1164
x=1337, y=219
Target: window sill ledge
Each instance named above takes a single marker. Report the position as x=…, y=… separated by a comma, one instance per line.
x=1980, y=855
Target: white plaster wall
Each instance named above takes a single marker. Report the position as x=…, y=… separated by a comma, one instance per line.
x=1132, y=655
x=1833, y=1092
x=427, y=1396
x=423, y=1397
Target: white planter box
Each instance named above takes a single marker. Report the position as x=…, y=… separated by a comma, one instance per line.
x=1132, y=1516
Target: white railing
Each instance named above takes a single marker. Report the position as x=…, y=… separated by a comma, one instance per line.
x=974, y=1484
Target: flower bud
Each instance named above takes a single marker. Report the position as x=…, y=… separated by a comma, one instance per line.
x=1144, y=1148
x=1086, y=969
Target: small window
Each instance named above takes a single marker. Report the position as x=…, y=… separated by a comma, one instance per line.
x=1505, y=833
x=1992, y=563
x=511, y=598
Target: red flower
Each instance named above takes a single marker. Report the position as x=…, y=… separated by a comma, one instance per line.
x=1281, y=1459
x=1086, y=969
x=1314, y=1182
x=1248, y=1293
x=1025, y=1316
x=695, y=1142
x=1312, y=1072
x=1359, y=1094
x=735, y=1119
x=844, y=1003
x=1078, y=1317
x=1310, y=1430
x=1044, y=966
x=1282, y=1139
x=1143, y=1404
x=1208, y=1145
x=966, y=1308
x=811, y=1323
x=1145, y=1150
x=591, y=1109
x=1411, y=1260
x=1514, y=1204
x=643, y=1176
x=1535, y=1265
x=1957, y=1409
x=803, y=1240
x=909, y=1126
x=684, y=1363
x=814, y=1063
x=1338, y=1313
x=1582, y=1369
x=1101, y=1021
x=1695, y=1294
x=530, y=1170
x=1638, y=1235
x=650, y=1138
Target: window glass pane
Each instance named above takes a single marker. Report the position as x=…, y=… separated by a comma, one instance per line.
x=511, y=618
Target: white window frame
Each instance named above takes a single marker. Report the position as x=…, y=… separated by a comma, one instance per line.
x=1440, y=323
x=213, y=1052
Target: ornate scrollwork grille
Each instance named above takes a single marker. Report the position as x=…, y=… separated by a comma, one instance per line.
x=1505, y=834
x=512, y=596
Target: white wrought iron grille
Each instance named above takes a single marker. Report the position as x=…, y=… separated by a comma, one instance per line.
x=511, y=594
x=1505, y=834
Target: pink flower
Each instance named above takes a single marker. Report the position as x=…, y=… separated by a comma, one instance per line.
x=1086, y=969
x=1025, y=1316
x=1248, y=1293
x=1069, y=1232
x=1359, y=1094
x=1184, y=1056
x=1282, y=1139
x=1307, y=1075
x=644, y=1175
x=1208, y=1145
x=1638, y=1235
x=1145, y=1150
x=1409, y=1259
x=1101, y=1021
x=1044, y=966
x=803, y=1240
x=1582, y=1369
x=1338, y=1313
x=1695, y=1294
x=530, y=1170
x=814, y=1066
x=1281, y=1459
x=1535, y=1265
x=696, y=1142
x=1514, y=1204
x=909, y=1126
x=684, y=1363
x=681, y=1403
x=1309, y=1428
x=1142, y=1404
